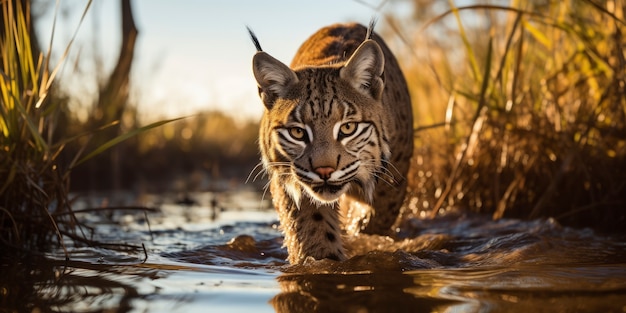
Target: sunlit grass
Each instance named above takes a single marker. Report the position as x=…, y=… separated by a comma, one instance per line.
x=532, y=102
x=32, y=181
x=35, y=210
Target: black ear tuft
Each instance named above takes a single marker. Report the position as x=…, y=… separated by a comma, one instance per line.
x=370, y=28
x=254, y=39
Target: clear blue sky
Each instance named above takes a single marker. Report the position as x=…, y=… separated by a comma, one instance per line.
x=191, y=55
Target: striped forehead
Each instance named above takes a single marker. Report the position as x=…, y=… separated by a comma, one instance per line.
x=321, y=108
x=322, y=103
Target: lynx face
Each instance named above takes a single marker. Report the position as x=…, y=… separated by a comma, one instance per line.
x=320, y=121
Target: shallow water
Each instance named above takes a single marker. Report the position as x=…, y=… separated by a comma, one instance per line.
x=223, y=253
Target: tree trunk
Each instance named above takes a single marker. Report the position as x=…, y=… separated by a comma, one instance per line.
x=113, y=98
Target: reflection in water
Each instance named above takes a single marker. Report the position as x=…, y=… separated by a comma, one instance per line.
x=527, y=288
x=374, y=282
x=363, y=292
x=22, y=282
x=460, y=263
x=36, y=284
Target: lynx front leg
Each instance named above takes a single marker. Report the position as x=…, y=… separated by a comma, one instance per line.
x=311, y=229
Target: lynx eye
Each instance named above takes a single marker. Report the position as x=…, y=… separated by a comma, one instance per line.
x=347, y=129
x=297, y=133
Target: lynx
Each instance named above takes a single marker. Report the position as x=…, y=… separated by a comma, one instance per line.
x=336, y=139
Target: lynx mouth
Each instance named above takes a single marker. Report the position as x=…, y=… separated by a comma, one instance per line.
x=327, y=189
x=326, y=192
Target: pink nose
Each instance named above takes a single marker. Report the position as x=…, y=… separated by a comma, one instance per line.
x=324, y=172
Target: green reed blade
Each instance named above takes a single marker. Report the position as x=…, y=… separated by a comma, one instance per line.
x=466, y=42
x=107, y=145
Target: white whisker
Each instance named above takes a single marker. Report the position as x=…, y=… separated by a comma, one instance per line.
x=384, y=180
x=383, y=173
x=389, y=164
x=265, y=188
x=262, y=170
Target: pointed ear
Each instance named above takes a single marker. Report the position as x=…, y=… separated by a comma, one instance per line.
x=273, y=77
x=364, y=69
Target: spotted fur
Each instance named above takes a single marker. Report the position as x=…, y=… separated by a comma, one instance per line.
x=335, y=139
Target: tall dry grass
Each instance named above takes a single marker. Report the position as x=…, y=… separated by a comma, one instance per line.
x=33, y=191
x=35, y=210
x=528, y=107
